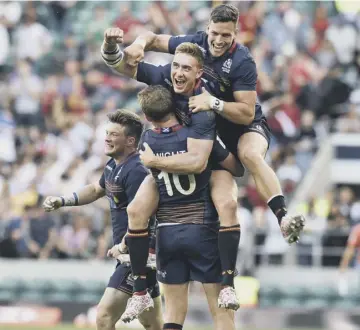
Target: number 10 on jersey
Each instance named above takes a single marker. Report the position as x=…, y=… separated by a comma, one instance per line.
x=171, y=180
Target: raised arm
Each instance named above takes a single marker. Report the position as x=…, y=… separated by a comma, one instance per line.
x=113, y=56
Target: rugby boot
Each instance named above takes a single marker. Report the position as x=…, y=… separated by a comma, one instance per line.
x=227, y=298
x=291, y=227
x=136, y=305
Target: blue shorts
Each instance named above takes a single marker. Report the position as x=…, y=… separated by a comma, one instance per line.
x=231, y=137
x=123, y=280
x=188, y=252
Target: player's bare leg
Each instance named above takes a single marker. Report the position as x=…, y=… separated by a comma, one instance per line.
x=224, y=195
x=223, y=318
x=176, y=305
x=139, y=211
x=110, y=308
x=252, y=148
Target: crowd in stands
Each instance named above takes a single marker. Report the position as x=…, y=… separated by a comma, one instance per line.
x=55, y=93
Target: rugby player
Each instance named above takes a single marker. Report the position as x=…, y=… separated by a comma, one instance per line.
x=187, y=65
x=120, y=180
x=186, y=244
x=230, y=71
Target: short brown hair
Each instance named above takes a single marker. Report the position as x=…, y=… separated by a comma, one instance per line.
x=156, y=102
x=192, y=50
x=130, y=120
x=224, y=13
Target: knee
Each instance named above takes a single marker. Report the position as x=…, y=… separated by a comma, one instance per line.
x=103, y=318
x=226, y=207
x=251, y=158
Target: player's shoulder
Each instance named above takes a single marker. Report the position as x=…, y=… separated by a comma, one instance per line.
x=239, y=55
x=203, y=116
x=146, y=135
x=134, y=165
x=241, y=52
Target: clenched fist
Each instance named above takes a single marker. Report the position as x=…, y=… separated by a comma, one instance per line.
x=113, y=36
x=52, y=203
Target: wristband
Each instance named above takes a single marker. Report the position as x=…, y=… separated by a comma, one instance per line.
x=112, y=58
x=71, y=200
x=216, y=104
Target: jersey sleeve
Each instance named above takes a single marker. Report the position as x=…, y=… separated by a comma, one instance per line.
x=102, y=181
x=202, y=126
x=133, y=180
x=177, y=40
x=219, y=152
x=244, y=77
x=151, y=74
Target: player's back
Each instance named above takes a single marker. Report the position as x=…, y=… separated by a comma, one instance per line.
x=184, y=198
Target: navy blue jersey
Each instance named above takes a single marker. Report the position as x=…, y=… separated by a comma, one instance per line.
x=200, y=128
x=183, y=198
x=224, y=75
x=121, y=183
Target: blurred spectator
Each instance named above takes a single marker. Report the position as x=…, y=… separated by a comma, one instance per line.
x=74, y=238
x=25, y=92
x=33, y=40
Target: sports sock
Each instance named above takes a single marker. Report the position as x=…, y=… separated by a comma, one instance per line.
x=228, y=242
x=278, y=206
x=138, y=244
x=172, y=326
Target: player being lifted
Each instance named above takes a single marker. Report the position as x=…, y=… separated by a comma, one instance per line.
x=120, y=181
x=187, y=230
x=230, y=71
x=182, y=78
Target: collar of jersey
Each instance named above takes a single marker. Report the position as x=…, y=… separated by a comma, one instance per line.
x=134, y=153
x=197, y=88
x=167, y=130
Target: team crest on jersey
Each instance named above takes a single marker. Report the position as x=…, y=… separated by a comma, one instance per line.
x=227, y=65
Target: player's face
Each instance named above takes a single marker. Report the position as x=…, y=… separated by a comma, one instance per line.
x=185, y=70
x=220, y=37
x=115, y=139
